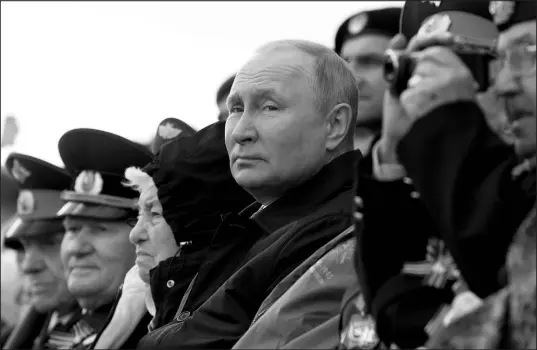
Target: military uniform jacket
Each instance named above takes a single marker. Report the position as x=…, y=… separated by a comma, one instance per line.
x=464, y=174
x=396, y=228
x=298, y=224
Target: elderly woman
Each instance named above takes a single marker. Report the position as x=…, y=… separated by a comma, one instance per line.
x=184, y=195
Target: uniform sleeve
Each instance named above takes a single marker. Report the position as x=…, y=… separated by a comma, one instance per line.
x=397, y=227
x=463, y=173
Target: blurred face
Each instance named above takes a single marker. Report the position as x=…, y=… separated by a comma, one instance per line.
x=152, y=236
x=275, y=136
x=515, y=83
x=43, y=272
x=96, y=255
x=223, y=112
x=365, y=56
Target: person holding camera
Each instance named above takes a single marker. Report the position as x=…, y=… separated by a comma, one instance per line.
x=478, y=188
x=408, y=282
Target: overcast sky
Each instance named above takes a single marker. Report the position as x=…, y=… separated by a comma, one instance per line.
x=124, y=66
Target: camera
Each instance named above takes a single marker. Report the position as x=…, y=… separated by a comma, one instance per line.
x=399, y=65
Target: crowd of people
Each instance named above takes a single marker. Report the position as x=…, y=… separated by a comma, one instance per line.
x=379, y=194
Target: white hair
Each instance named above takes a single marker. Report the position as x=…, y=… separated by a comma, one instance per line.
x=141, y=182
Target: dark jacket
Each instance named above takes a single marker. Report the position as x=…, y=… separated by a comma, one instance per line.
x=289, y=230
x=463, y=172
x=396, y=228
x=301, y=310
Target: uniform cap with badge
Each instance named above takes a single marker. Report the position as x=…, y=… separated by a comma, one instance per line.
x=169, y=129
x=469, y=21
x=384, y=21
x=41, y=185
x=98, y=160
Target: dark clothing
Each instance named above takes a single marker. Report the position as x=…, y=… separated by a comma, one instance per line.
x=463, y=172
x=396, y=228
x=288, y=232
x=302, y=310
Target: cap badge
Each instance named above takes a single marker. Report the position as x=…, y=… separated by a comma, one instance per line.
x=168, y=131
x=19, y=172
x=90, y=182
x=25, y=203
x=438, y=23
x=501, y=11
x=357, y=23
x=435, y=3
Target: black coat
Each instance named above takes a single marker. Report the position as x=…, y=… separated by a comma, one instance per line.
x=289, y=230
x=396, y=228
x=463, y=171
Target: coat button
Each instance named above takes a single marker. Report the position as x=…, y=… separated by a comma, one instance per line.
x=414, y=194
x=407, y=180
x=170, y=283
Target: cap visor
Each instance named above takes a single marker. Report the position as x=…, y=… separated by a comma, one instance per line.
x=94, y=211
x=31, y=229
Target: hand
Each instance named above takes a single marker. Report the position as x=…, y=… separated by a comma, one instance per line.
x=395, y=122
x=440, y=77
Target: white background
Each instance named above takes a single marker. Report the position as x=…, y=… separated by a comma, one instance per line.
x=124, y=66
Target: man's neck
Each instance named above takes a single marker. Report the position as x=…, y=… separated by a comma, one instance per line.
x=89, y=305
x=363, y=137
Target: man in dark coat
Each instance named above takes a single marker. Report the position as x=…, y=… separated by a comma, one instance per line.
x=36, y=235
x=293, y=152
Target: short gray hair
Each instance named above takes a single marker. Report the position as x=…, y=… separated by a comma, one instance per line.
x=333, y=82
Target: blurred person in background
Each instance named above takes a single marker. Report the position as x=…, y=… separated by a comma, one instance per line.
x=361, y=41
x=290, y=146
x=505, y=319
x=221, y=97
x=10, y=281
x=95, y=250
x=36, y=237
x=400, y=287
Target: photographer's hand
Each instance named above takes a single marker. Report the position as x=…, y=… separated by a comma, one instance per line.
x=395, y=122
x=440, y=77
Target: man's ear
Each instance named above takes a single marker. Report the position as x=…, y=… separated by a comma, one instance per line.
x=338, y=124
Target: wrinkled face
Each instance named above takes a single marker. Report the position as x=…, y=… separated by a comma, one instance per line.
x=96, y=254
x=151, y=235
x=275, y=136
x=365, y=55
x=515, y=83
x=43, y=272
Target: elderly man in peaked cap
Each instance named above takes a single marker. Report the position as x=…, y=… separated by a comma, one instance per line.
x=96, y=251
x=36, y=235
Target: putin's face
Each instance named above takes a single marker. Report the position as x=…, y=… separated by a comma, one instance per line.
x=275, y=135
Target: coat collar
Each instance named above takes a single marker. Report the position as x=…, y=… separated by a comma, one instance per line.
x=332, y=179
